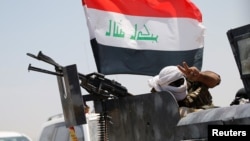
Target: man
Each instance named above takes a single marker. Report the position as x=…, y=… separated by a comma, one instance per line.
x=189, y=85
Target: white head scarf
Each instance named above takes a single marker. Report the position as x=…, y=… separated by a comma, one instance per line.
x=166, y=76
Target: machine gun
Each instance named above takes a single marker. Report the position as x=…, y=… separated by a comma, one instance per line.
x=73, y=102
x=94, y=83
x=69, y=80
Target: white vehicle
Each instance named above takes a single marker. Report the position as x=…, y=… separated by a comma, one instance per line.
x=13, y=136
x=54, y=129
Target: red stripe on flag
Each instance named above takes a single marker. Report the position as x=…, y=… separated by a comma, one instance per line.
x=150, y=8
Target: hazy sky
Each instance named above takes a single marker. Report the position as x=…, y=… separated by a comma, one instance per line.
x=58, y=29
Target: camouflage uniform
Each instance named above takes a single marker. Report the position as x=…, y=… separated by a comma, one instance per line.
x=198, y=96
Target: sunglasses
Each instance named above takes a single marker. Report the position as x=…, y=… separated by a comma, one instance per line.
x=177, y=83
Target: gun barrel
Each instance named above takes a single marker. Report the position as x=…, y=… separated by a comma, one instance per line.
x=43, y=70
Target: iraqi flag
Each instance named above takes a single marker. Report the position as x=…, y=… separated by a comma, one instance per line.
x=143, y=36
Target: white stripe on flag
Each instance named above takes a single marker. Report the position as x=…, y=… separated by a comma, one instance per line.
x=145, y=33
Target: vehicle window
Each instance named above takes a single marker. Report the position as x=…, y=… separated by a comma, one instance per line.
x=62, y=134
x=47, y=133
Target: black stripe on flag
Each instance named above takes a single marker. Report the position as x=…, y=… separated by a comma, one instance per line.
x=116, y=60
